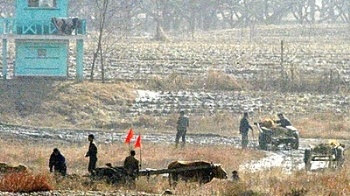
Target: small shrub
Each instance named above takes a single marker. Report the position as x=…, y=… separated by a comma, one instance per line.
x=240, y=189
x=24, y=183
x=297, y=192
x=221, y=81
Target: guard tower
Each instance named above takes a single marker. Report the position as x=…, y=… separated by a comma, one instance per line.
x=41, y=32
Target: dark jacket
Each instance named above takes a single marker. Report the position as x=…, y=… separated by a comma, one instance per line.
x=284, y=122
x=92, y=152
x=244, y=125
x=131, y=165
x=58, y=163
x=182, y=122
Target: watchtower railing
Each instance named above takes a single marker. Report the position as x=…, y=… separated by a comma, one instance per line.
x=41, y=27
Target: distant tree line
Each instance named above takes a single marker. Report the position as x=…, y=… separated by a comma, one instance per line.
x=112, y=19
x=187, y=16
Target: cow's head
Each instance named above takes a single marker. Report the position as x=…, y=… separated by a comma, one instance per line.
x=21, y=168
x=218, y=172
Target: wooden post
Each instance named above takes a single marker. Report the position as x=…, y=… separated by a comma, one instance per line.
x=282, y=68
x=4, y=58
x=292, y=76
x=79, y=60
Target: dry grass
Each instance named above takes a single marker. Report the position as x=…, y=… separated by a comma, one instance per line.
x=51, y=103
x=64, y=103
x=158, y=156
x=35, y=156
x=24, y=183
x=102, y=106
x=326, y=125
x=214, y=80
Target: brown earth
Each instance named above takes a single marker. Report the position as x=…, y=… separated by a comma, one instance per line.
x=46, y=102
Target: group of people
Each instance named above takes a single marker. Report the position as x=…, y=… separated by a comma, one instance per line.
x=244, y=126
x=57, y=162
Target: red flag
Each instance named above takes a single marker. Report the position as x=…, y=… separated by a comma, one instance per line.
x=129, y=136
x=138, y=142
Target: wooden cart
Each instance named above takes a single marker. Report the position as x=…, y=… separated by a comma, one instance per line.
x=117, y=175
x=334, y=155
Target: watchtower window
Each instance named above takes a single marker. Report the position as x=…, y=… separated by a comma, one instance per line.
x=42, y=3
x=41, y=53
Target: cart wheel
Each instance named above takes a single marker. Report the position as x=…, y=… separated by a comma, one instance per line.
x=307, y=159
x=339, y=156
x=262, y=141
x=295, y=143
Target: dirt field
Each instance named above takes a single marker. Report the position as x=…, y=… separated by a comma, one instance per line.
x=214, y=78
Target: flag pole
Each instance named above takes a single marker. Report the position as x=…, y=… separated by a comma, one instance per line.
x=138, y=144
x=140, y=157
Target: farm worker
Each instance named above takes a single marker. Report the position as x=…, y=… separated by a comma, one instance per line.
x=92, y=153
x=283, y=121
x=181, y=127
x=235, y=176
x=57, y=162
x=244, y=127
x=131, y=167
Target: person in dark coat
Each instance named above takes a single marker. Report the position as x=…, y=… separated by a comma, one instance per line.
x=92, y=153
x=283, y=121
x=235, y=176
x=131, y=167
x=181, y=127
x=244, y=127
x=57, y=163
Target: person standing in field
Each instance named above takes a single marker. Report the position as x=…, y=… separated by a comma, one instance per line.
x=92, y=154
x=131, y=167
x=244, y=127
x=181, y=127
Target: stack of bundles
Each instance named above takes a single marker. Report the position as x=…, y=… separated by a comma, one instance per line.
x=281, y=132
x=267, y=122
x=334, y=143
x=326, y=148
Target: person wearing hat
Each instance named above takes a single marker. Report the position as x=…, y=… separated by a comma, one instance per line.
x=235, y=176
x=283, y=121
x=57, y=163
x=181, y=127
x=244, y=127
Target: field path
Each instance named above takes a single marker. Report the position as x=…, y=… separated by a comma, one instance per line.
x=287, y=159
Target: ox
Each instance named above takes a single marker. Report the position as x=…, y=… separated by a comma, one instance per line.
x=6, y=168
x=194, y=171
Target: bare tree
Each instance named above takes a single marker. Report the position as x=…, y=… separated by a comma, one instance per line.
x=102, y=12
x=155, y=9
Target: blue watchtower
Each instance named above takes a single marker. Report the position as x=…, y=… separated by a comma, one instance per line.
x=41, y=32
